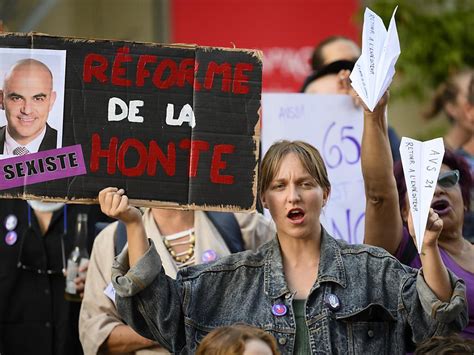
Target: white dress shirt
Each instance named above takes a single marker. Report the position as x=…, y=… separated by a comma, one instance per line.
x=33, y=147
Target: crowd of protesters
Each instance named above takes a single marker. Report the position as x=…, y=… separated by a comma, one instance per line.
x=167, y=281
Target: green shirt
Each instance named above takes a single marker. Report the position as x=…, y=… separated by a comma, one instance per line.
x=302, y=334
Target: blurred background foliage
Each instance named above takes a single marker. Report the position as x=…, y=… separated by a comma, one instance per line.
x=436, y=38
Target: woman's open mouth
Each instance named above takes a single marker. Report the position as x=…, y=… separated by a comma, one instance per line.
x=296, y=215
x=441, y=207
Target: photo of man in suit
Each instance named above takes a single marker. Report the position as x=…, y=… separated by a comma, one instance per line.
x=27, y=98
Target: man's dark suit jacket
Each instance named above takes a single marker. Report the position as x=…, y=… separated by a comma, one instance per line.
x=49, y=139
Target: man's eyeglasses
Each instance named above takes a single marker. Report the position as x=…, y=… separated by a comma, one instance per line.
x=449, y=178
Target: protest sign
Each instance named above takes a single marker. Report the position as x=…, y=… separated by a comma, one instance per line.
x=421, y=166
x=174, y=125
x=334, y=126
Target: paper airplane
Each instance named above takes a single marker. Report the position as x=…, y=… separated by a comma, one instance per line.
x=421, y=164
x=375, y=68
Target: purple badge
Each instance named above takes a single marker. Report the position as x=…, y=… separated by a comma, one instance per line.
x=11, y=238
x=209, y=256
x=279, y=310
x=332, y=301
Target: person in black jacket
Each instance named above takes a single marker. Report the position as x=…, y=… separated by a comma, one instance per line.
x=35, y=318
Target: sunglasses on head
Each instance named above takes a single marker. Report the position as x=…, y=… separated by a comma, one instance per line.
x=449, y=178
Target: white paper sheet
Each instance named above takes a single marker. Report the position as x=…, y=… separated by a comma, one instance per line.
x=421, y=164
x=375, y=68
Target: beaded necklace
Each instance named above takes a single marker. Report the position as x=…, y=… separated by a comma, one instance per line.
x=187, y=237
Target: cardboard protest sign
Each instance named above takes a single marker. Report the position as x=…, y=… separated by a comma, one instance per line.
x=174, y=125
x=334, y=126
x=421, y=163
x=375, y=68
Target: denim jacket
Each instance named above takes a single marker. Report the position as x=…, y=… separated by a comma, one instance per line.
x=383, y=304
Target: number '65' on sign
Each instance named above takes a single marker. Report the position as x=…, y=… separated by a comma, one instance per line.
x=345, y=147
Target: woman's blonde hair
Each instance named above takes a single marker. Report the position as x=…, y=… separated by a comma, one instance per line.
x=231, y=340
x=308, y=155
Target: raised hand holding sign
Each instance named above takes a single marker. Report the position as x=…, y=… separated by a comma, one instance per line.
x=375, y=68
x=421, y=165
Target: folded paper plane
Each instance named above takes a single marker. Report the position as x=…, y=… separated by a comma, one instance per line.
x=421, y=165
x=375, y=68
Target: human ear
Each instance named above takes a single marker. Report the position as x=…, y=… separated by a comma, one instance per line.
x=452, y=110
x=264, y=203
x=1, y=100
x=52, y=100
x=326, y=194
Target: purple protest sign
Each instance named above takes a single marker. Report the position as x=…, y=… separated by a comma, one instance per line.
x=42, y=166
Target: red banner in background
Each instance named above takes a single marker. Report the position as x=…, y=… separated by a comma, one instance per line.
x=286, y=31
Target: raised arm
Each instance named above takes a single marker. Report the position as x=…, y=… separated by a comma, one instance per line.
x=383, y=223
x=436, y=304
x=114, y=203
x=147, y=300
x=434, y=270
